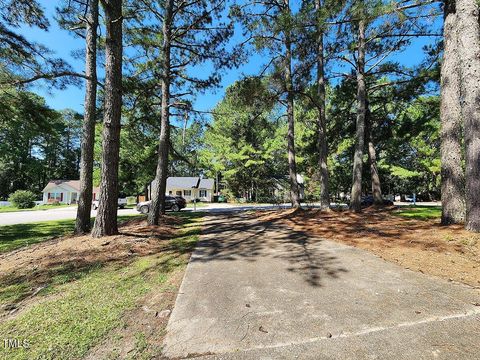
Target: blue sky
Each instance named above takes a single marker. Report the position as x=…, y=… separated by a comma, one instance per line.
x=62, y=44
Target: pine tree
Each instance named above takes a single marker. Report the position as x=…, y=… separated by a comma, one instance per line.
x=191, y=34
x=468, y=31
x=160, y=182
x=273, y=28
x=106, y=220
x=453, y=180
x=372, y=31
x=82, y=223
x=355, y=202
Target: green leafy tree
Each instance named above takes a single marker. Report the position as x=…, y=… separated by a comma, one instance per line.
x=179, y=39
x=273, y=29
x=37, y=144
x=243, y=144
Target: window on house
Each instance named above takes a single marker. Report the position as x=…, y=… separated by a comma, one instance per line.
x=170, y=192
x=179, y=193
x=203, y=193
x=187, y=192
x=56, y=196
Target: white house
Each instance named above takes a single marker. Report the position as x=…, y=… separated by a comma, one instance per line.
x=282, y=188
x=189, y=188
x=64, y=192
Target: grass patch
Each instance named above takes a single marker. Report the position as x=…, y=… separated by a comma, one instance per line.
x=19, y=235
x=5, y=209
x=420, y=212
x=199, y=205
x=80, y=308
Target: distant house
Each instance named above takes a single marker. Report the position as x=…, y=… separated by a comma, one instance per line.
x=282, y=188
x=64, y=192
x=189, y=188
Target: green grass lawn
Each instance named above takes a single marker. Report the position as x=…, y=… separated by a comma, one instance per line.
x=15, y=236
x=420, y=212
x=199, y=205
x=80, y=307
x=4, y=209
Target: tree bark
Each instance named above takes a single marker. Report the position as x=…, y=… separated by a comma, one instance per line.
x=82, y=223
x=106, y=220
x=160, y=183
x=292, y=165
x=145, y=190
x=322, y=121
x=372, y=159
x=356, y=195
x=469, y=52
x=453, y=180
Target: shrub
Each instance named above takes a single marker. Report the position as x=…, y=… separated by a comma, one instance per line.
x=22, y=199
x=228, y=195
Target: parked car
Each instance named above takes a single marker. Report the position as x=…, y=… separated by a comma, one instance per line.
x=368, y=201
x=122, y=202
x=173, y=203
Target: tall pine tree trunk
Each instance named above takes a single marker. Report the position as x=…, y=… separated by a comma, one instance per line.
x=82, y=223
x=322, y=122
x=292, y=165
x=372, y=159
x=160, y=183
x=106, y=220
x=453, y=180
x=356, y=195
x=469, y=52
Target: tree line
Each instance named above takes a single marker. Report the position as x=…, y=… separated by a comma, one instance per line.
x=36, y=143
x=332, y=99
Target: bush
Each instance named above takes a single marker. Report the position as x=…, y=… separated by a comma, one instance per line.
x=22, y=199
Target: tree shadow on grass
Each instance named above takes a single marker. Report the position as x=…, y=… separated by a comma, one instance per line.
x=61, y=261
x=15, y=236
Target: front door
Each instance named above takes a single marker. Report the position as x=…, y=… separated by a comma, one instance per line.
x=74, y=198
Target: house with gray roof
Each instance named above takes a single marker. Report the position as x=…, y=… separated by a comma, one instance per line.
x=188, y=187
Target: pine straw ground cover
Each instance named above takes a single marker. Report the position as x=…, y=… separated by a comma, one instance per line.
x=412, y=238
x=79, y=297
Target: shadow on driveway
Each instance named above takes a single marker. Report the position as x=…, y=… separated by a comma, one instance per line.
x=244, y=237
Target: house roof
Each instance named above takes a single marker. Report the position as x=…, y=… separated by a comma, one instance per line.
x=206, y=184
x=188, y=182
x=182, y=182
x=74, y=184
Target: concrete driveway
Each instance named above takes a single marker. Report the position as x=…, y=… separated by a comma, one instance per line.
x=63, y=213
x=259, y=290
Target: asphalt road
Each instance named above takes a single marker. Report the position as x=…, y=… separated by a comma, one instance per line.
x=260, y=290
x=63, y=213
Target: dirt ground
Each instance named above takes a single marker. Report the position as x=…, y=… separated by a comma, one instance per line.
x=421, y=245
x=136, y=237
